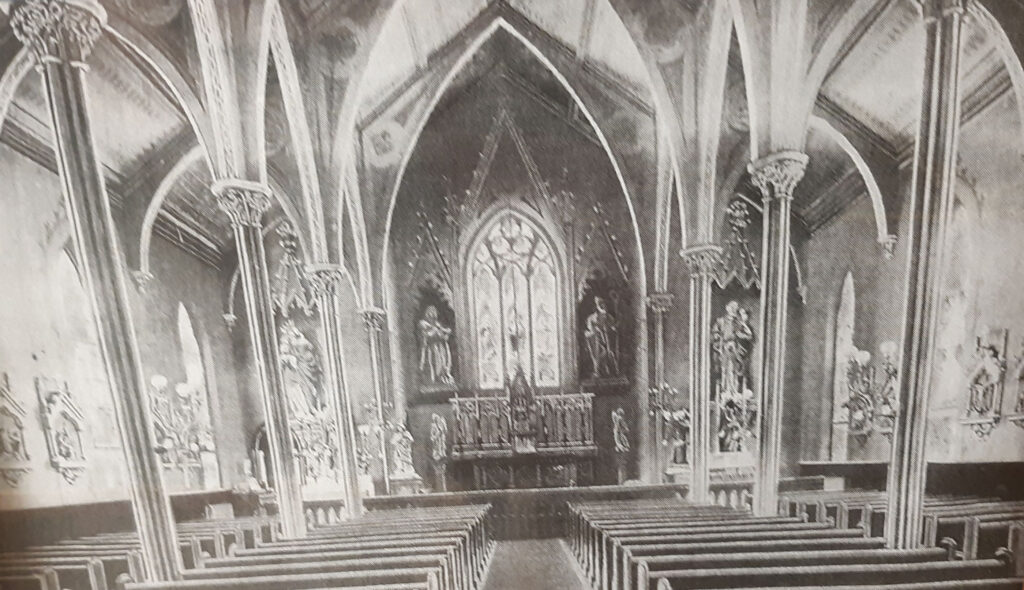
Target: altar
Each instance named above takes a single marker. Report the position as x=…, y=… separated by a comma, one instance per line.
x=523, y=440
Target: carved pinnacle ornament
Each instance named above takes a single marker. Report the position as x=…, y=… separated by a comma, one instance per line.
x=58, y=29
x=704, y=260
x=375, y=319
x=244, y=202
x=777, y=175
x=323, y=279
x=660, y=302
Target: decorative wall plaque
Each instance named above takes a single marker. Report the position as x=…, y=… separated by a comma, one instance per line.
x=14, y=459
x=63, y=423
x=985, y=383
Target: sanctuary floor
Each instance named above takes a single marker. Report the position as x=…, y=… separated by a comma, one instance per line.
x=544, y=564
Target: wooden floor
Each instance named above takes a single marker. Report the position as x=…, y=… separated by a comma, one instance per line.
x=534, y=565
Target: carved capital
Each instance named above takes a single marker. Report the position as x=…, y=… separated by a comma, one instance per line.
x=323, y=279
x=375, y=319
x=55, y=30
x=704, y=260
x=243, y=201
x=660, y=303
x=777, y=175
x=888, y=244
x=935, y=9
x=142, y=279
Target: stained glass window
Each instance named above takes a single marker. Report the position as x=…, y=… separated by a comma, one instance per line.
x=515, y=304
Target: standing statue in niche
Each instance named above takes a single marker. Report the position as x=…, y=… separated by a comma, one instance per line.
x=620, y=435
x=401, y=449
x=602, y=341
x=301, y=372
x=435, y=349
x=732, y=339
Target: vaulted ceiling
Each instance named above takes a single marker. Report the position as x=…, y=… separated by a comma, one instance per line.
x=144, y=128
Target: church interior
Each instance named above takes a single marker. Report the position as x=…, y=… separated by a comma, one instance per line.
x=497, y=294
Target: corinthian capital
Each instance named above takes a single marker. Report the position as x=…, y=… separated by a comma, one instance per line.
x=375, y=319
x=244, y=202
x=660, y=302
x=55, y=30
x=703, y=260
x=323, y=279
x=778, y=174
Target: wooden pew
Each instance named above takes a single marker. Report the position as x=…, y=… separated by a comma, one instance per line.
x=72, y=575
x=406, y=579
x=850, y=574
x=44, y=580
x=99, y=570
x=419, y=548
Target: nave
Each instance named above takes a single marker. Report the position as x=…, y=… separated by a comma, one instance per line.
x=418, y=293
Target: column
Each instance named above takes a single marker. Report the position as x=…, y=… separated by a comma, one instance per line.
x=61, y=34
x=245, y=202
x=704, y=262
x=775, y=176
x=325, y=280
x=659, y=304
x=931, y=201
x=376, y=320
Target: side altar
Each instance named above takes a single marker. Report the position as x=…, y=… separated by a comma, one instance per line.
x=522, y=439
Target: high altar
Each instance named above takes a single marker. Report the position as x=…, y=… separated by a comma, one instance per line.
x=524, y=440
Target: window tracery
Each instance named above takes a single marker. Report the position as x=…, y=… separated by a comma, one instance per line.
x=515, y=287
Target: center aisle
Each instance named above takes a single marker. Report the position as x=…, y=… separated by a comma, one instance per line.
x=534, y=565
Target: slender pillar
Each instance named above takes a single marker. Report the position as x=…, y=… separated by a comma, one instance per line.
x=61, y=34
x=659, y=304
x=704, y=263
x=376, y=320
x=325, y=280
x=245, y=203
x=775, y=176
x=931, y=202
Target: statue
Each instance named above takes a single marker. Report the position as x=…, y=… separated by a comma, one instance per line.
x=439, y=450
x=401, y=451
x=985, y=380
x=435, y=349
x=300, y=372
x=620, y=435
x=601, y=336
x=732, y=339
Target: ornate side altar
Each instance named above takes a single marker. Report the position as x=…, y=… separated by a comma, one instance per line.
x=523, y=440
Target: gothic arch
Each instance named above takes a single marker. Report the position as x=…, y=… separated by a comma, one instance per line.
x=500, y=23
x=863, y=168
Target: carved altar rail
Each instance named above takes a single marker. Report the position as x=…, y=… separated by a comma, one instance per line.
x=559, y=421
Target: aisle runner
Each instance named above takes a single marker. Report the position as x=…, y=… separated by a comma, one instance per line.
x=533, y=565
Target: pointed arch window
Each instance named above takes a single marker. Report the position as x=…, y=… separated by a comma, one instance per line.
x=515, y=289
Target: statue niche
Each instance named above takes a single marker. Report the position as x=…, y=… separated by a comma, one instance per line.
x=601, y=312
x=435, y=342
